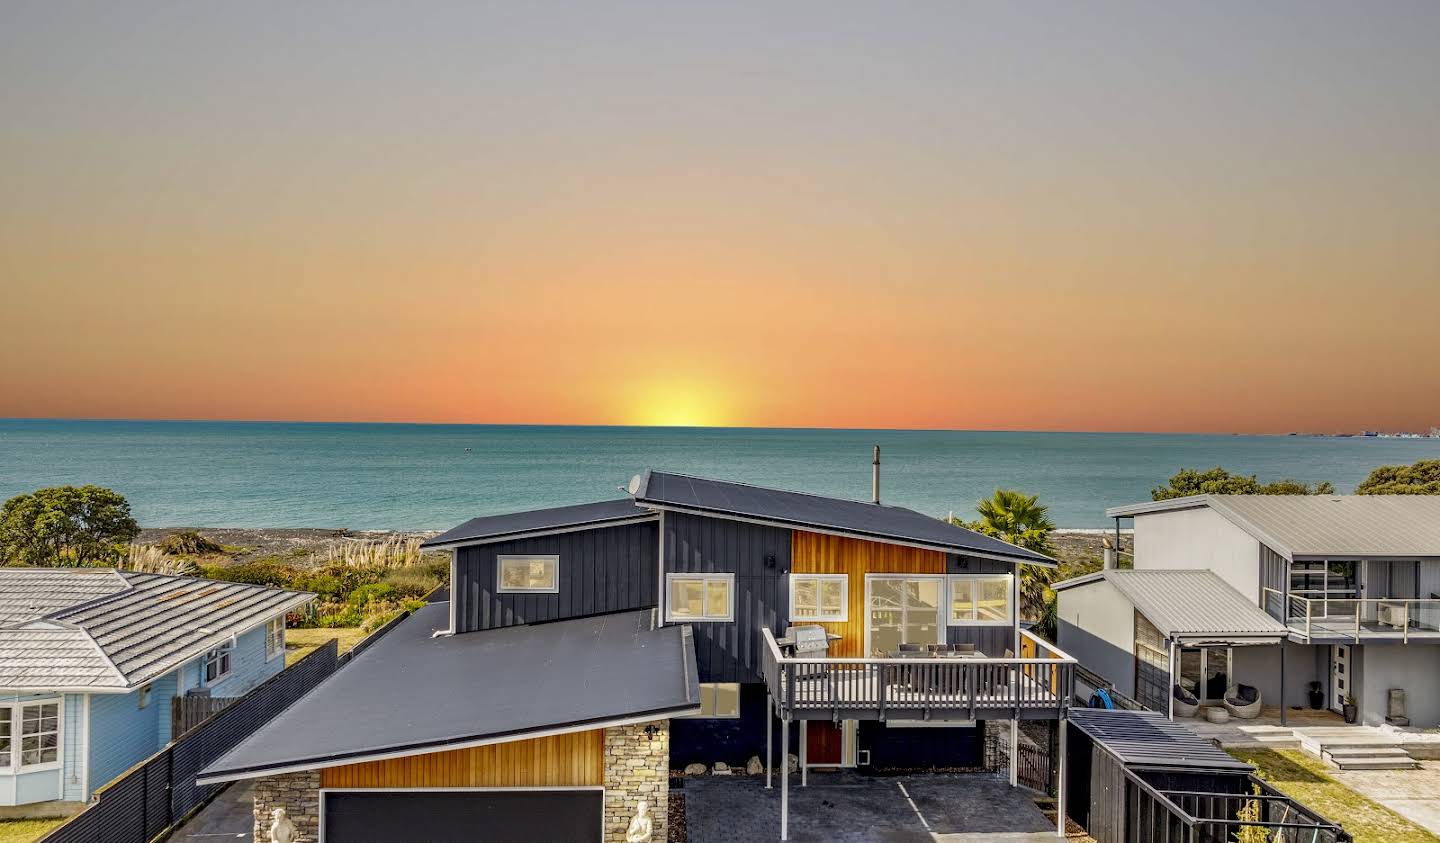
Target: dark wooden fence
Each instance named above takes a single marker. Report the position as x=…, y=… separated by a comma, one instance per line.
x=160, y=792
x=188, y=712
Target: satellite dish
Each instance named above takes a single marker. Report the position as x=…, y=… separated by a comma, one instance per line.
x=634, y=487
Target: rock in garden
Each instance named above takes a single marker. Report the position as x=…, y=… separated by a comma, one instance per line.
x=753, y=766
x=694, y=769
x=720, y=769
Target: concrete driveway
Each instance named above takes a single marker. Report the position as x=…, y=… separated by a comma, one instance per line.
x=228, y=817
x=846, y=806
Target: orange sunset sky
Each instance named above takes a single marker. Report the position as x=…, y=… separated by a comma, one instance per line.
x=1104, y=216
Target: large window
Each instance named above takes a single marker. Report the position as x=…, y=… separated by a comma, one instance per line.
x=1205, y=672
x=30, y=735
x=218, y=662
x=700, y=597
x=980, y=600
x=1331, y=586
x=1152, y=666
x=904, y=610
x=275, y=638
x=719, y=700
x=539, y=574
x=818, y=597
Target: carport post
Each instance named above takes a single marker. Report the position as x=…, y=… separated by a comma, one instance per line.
x=1014, y=751
x=804, y=773
x=769, y=742
x=785, y=778
x=1063, y=723
x=1170, y=691
x=1282, y=682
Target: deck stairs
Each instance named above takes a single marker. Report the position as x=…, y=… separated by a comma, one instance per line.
x=1356, y=748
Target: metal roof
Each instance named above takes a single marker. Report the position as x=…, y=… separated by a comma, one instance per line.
x=499, y=527
x=1150, y=739
x=411, y=693
x=126, y=636
x=1187, y=604
x=1322, y=526
x=797, y=509
x=29, y=593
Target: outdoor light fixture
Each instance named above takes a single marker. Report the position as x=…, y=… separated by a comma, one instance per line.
x=651, y=731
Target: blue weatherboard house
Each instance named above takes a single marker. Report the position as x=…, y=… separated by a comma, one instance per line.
x=90, y=659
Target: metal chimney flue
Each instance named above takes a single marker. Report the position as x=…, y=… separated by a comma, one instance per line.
x=875, y=477
x=1110, y=558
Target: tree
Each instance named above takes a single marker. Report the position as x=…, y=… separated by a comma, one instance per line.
x=1422, y=478
x=1218, y=481
x=1021, y=520
x=67, y=525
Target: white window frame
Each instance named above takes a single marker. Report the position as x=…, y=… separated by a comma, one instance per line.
x=710, y=714
x=223, y=654
x=17, y=715
x=704, y=579
x=942, y=611
x=820, y=616
x=554, y=561
x=274, y=635
x=975, y=580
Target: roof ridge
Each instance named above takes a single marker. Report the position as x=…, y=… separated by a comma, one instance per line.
x=776, y=489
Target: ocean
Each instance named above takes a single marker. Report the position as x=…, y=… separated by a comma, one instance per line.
x=422, y=477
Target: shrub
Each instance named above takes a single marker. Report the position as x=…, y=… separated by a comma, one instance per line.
x=260, y=572
x=372, y=593
x=411, y=582
x=324, y=585
x=349, y=616
x=189, y=543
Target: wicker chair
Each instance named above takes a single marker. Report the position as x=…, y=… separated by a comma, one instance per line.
x=1243, y=701
x=1185, y=703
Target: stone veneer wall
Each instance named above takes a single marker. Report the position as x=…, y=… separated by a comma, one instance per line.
x=298, y=794
x=637, y=767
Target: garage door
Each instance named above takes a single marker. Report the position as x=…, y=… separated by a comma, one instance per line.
x=355, y=816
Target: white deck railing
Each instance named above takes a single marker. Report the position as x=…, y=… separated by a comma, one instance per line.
x=921, y=687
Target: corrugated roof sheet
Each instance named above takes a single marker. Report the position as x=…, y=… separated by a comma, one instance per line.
x=1187, y=603
x=1321, y=526
x=128, y=636
x=28, y=593
x=495, y=527
x=882, y=522
x=413, y=693
x=1149, y=739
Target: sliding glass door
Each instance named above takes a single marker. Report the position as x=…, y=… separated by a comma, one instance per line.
x=903, y=610
x=1205, y=672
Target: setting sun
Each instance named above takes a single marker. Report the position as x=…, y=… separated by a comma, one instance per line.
x=679, y=402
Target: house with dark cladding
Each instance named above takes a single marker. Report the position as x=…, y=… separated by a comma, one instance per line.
x=1322, y=601
x=586, y=651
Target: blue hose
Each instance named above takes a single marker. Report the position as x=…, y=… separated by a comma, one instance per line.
x=1101, y=699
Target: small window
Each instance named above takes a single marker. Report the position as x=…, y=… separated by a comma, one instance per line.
x=275, y=638
x=7, y=734
x=719, y=700
x=529, y=573
x=217, y=663
x=980, y=600
x=700, y=597
x=818, y=597
x=39, y=734
x=142, y=699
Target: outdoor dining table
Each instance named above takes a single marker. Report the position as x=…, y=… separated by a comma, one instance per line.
x=919, y=679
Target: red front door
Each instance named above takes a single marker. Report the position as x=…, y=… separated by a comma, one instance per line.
x=824, y=743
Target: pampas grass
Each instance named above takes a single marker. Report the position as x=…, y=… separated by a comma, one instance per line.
x=387, y=552
x=151, y=559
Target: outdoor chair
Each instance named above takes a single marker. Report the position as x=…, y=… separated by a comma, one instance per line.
x=1243, y=701
x=1186, y=704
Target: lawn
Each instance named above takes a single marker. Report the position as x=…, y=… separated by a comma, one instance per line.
x=1307, y=779
x=24, y=831
x=300, y=642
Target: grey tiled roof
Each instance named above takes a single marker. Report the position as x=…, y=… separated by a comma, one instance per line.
x=128, y=635
x=28, y=593
x=1187, y=603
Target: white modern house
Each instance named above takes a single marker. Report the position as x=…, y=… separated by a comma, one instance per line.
x=1276, y=592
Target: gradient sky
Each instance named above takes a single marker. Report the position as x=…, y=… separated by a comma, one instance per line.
x=1083, y=216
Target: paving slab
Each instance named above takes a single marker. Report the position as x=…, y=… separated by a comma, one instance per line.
x=229, y=817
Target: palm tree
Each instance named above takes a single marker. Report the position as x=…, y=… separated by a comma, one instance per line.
x=1021, y=520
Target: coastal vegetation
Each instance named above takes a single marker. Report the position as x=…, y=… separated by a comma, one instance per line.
x=1021, y=520
x=1218, y=481
x=1422, y=478
x=65, y=526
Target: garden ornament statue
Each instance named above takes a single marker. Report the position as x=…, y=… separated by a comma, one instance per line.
x=641, y=828
x=282, y=830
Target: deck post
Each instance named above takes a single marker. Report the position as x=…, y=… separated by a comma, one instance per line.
x=1063, y=725
x=784, y=778
x=1014, y=752
x=804, y=760
x=1170, y=687
x=769, y=741
x=1282, y=682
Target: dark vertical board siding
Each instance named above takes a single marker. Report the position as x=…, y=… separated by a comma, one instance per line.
x=730, y=651
x=993, y=641
x=603, y=569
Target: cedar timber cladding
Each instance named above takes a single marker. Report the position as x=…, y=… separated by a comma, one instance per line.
x=575, y=759
x=730, y=651
x=601, y=569
x=816, y=553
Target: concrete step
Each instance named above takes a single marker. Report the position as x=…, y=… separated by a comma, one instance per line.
x=1406, y=763
x=1368, y=757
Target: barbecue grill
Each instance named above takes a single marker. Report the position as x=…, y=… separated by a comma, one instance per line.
x=808, y=641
